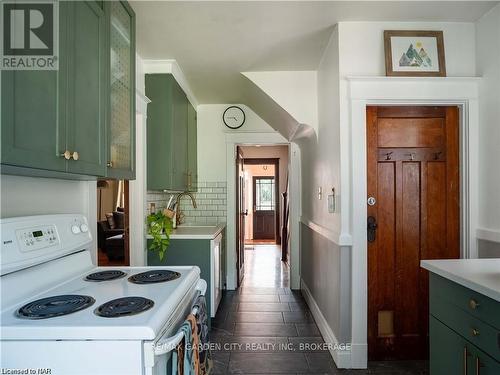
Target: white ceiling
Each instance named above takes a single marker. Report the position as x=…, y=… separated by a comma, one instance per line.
x=214, y=42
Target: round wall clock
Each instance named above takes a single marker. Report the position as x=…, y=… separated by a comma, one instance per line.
x=233, y=117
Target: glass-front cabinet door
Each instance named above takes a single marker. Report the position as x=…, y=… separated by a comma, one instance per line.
x=121, y=117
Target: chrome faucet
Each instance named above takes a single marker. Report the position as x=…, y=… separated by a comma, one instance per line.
x=177, y=220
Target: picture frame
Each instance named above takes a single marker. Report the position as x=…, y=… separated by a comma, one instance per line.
x=414, y=53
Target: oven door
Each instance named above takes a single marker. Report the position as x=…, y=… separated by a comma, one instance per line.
x=157, y=359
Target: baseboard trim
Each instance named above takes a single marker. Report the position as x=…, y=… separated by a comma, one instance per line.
x=488, y=234
x=342, y=358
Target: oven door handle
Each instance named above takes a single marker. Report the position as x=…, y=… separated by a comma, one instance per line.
x=170, y=343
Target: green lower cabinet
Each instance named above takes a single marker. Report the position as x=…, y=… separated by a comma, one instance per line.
x=464, y=330
x=204, y=253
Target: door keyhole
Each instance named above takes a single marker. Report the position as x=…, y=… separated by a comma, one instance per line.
x=371, y=229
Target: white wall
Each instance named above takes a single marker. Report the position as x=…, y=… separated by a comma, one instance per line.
x=212, y=139
x=488, y=67
x=294, y=91
x=362, y=46
x=24, y=196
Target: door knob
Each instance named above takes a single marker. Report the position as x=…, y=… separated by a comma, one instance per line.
x=246, y=212
x=371, y=229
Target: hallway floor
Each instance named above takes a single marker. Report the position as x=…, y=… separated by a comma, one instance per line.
x=266, y=328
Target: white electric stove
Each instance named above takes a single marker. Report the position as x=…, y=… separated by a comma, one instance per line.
x=61, y=313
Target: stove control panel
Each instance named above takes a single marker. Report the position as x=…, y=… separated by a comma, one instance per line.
x=37, y=238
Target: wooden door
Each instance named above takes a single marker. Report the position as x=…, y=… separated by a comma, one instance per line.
x=264, y=208
x=87, y=90
x=413, y=214
x=240, y=216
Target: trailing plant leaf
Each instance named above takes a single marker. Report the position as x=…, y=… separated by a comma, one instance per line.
x=158, y=225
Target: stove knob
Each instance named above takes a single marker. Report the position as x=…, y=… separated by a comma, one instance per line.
x=75, y=229
x=84, y=228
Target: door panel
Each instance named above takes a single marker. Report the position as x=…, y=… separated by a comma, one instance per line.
x=180, y=138
x=87, y=89
x=33, y=124
x=413, y=175
x=240, y=216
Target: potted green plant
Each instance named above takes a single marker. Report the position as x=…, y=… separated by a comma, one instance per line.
x=159, y=227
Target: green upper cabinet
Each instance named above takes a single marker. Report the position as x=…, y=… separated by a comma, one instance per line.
x=168, y=134
x=121, y=114
x=33, y=128
x=63, y=123
x=87, y=91
x=192, y=155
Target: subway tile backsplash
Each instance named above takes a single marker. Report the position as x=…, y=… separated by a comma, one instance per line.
x=211, y=199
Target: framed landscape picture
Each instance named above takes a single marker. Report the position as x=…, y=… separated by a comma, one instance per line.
x=414, y=53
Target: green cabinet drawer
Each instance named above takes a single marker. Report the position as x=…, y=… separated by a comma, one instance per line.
x=450, y=353
x=476, y=331
x=476, y=304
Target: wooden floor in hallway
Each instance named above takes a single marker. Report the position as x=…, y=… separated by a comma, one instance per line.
x=266, y=328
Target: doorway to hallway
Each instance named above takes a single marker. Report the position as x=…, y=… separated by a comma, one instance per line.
x=264, y=268
x=261, y=205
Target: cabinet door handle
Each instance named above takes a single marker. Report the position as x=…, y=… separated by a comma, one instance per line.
x=110, y=164
x=478, y=366
x=75, y=155
x=66, y=155
x=475, y=332
x=466, y=354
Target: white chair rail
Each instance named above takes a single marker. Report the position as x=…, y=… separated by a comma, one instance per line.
x=170, y=343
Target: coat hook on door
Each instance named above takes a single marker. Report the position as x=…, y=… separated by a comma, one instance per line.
x=437, y=155
x=411, y=155
x=388, y=156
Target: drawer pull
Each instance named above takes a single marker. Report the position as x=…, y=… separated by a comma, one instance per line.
x=478, y=366
x=473, y=304
x=466, y=354
x=475, y=332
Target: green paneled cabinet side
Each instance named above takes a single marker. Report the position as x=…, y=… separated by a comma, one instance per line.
x=87, y=91
x=121, y=108
x=192, y=149
x=186, y=252
x=33, y=127
x=180, y=138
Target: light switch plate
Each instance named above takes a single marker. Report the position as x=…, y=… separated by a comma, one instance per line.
x=331, y=202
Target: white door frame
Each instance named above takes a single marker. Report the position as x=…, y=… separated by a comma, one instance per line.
x=363, y=91
x=138, y=187
x=270, y=139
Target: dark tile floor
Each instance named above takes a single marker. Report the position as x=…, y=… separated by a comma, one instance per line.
x=265, y=328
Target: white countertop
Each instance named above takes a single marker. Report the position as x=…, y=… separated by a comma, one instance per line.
x=480, y=275
x=208, y=232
